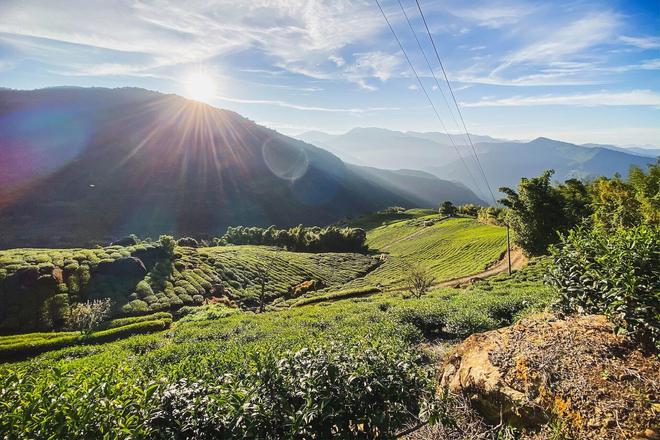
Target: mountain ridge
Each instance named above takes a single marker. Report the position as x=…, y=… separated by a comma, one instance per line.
x=504, y=162
x=85, y=165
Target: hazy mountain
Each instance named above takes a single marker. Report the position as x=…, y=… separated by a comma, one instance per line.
x=647, y=150
x=504, y=162
x=80, y=165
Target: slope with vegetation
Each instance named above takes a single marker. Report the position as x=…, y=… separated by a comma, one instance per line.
x=87, y=166
x=346, y=365
x=350, y=369
x=38, y=286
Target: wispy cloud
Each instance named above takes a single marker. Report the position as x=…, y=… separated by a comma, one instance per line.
x=566, y=42
x=297, y=34
x=294, y=106
x=604, y=98
x=494, y=14
x=641, y=42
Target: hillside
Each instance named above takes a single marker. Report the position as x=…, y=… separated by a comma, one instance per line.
x=504, y=162
x=81, y=166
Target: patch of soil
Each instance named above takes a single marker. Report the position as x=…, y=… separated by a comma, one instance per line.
x=571, y=376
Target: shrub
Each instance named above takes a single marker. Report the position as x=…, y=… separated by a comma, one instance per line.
x=616, y=274
x=187, y=241
x=418, y=280
x=327, y=392
x=168, y=243
x=448, y=209
x=87, y=316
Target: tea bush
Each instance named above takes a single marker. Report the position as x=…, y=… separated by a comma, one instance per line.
x=616, y=274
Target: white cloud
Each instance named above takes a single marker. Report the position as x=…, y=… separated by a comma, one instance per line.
x=339, y=61
x=493, y=15
x=376, y=64
x=297, y=34
x=641, y=42
x=566, y=42
x=412, y=87
x=603, y=98
x=294, y=106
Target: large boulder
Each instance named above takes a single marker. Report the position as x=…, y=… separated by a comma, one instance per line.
x=129, y=267
x=573, y=371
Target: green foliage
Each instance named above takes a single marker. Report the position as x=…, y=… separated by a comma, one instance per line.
x=300, y=238
x=447, y=209
x=647, y=192
x=187, y=241
x=491, y=215
x=30, y=344
x=469, y=210
x=615, y=205
x=294, y=371
x=622, y=204
x=538, y=211
x=616, y=274
x=445, y=249
x=332, y=391
x=168, y=244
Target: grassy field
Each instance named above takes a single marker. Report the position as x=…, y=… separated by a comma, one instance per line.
x=215, y=346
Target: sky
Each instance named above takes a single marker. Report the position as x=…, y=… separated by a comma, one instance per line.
x=579, y=70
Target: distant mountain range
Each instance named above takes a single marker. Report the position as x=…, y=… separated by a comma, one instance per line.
x=82, y=165
x=504, y=162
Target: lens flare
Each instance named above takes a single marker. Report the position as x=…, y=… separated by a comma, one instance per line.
x=200, y=87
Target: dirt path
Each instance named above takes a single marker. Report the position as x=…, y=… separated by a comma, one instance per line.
x=518, y=260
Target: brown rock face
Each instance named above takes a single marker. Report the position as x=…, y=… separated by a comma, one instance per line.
x=572, y=371
x=470, y=371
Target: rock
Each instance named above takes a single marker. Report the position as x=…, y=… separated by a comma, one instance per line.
x=130, y=267
x=58, y=275
x=545, y=368
x=470, y=371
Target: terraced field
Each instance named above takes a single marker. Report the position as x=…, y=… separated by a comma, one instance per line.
x=446, y=248
x=38, y=285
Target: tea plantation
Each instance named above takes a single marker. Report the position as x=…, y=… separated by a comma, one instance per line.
x=342, y=368
x=345, y=360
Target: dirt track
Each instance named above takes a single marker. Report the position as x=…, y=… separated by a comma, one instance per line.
x=518, y=260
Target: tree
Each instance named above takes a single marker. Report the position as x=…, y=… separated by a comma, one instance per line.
x=87, y=316
x=448, y=209
x=418, y=280
x=468, y=209
x=576, y=201
x=614, y=204
x=647, y=192
x=168, y=243
x=263, y=271
x=536, y=213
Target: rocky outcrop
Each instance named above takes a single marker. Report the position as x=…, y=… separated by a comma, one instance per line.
x=572, y=371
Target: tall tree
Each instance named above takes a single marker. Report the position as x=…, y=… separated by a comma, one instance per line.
x=536, y=213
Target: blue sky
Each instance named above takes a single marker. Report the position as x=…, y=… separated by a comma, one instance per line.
x=581, y=71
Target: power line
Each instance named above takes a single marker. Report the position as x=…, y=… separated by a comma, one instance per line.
x=458, y=109
x=428, y=63
x=435, y=110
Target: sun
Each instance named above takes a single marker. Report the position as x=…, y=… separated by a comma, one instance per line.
x=200, y=87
